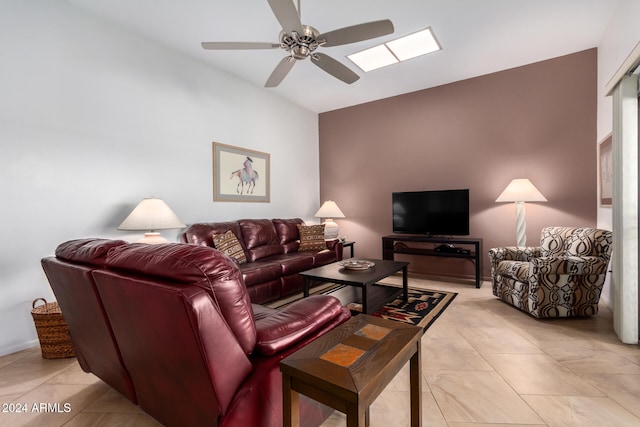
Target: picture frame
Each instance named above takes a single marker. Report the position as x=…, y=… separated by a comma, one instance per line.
x=605, y=171
x=240, y=174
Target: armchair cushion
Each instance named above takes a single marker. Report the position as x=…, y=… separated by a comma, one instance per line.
x=517, y=270
x=568, y=265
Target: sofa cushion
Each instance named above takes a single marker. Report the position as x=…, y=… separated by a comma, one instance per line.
x=202, y=234
x=324, y=257
x=293, y=263
x=311, y=238
x=87, y=251
x=260, y=271
x=200, y=266
x=229, y=245
x=287, y=229
x=260, y=238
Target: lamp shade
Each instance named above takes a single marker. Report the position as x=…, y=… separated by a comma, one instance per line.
x=329, y=209
x=521, y=190
x=151, y=214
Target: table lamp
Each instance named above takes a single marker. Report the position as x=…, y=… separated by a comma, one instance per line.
x=519, y=191
x=328, y=211
x=151, y=214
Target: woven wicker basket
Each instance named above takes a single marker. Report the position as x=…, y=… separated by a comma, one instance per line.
x=53, y=333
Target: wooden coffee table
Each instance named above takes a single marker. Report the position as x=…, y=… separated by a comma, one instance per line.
x=348, y=368
x=374, y=295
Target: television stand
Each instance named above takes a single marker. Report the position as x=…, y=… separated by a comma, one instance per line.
x=443, y=247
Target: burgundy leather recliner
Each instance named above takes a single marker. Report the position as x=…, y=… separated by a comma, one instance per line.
x=183, y=332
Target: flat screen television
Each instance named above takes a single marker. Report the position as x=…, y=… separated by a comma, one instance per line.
x=443, y=212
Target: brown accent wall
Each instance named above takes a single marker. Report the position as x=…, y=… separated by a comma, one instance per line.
x=536, y=121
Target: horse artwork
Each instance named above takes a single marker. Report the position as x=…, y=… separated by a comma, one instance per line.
x=247, y=176
x=240, y=175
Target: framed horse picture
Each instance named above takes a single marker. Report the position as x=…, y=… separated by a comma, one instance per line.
x=239, y=174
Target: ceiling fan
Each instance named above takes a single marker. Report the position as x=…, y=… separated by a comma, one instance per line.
x=301, y=42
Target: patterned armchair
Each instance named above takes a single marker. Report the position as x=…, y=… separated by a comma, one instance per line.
x=563, y=277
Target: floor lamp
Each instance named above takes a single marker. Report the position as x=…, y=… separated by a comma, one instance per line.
x=519, y=191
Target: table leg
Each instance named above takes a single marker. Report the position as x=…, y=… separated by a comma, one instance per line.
x=290, y=404
x=416, y=388
x=405, y=284
x=357, y=416
x=306, y=287
x=365, y=305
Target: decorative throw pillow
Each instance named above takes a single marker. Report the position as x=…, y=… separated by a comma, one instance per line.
x=311, y=238
x=229, y=245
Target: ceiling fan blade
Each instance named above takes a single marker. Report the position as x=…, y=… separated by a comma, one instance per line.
x=280, y=72
x=238, y=45
x=287, y=15
x=356, y=33
x=335, y=68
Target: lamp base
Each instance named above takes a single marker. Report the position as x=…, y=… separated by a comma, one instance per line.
x=152, y=238
x=330, y=229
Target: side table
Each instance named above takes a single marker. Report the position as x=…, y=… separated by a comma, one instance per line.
x=348, y=368
x=349, y=244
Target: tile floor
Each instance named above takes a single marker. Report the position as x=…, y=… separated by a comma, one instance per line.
x=484, y=364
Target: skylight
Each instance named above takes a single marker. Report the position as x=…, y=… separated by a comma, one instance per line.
x=407, y=47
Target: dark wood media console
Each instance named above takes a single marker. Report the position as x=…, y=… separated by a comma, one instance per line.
x=401, y=244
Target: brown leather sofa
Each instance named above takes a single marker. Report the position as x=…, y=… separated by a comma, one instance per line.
x=172, y=328
x=271, y=249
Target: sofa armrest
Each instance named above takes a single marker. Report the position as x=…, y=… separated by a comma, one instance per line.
x=335, y=245
x=295, y=322
x=584, y=265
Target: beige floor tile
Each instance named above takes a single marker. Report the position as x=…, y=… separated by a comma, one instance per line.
x=494, y=425
x=452, y=353
x=112, y=420
x=476, y=358
x=14, y=357
x=624, y=389
x=591, y=357
x=539, y=374
x=73, y=375
x=112, y=401
x=23, y=375
x=498, y=340
x=478, y=396
x=578, y=411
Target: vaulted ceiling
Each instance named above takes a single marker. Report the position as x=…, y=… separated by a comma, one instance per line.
x=477, y=37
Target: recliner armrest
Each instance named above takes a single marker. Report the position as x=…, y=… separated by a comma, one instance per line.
x=295, y=323
x=569, y=265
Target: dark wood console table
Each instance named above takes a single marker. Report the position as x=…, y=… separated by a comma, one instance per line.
x=401, y=244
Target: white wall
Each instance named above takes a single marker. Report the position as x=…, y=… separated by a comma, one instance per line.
x=93, y=119
x=622, y=34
